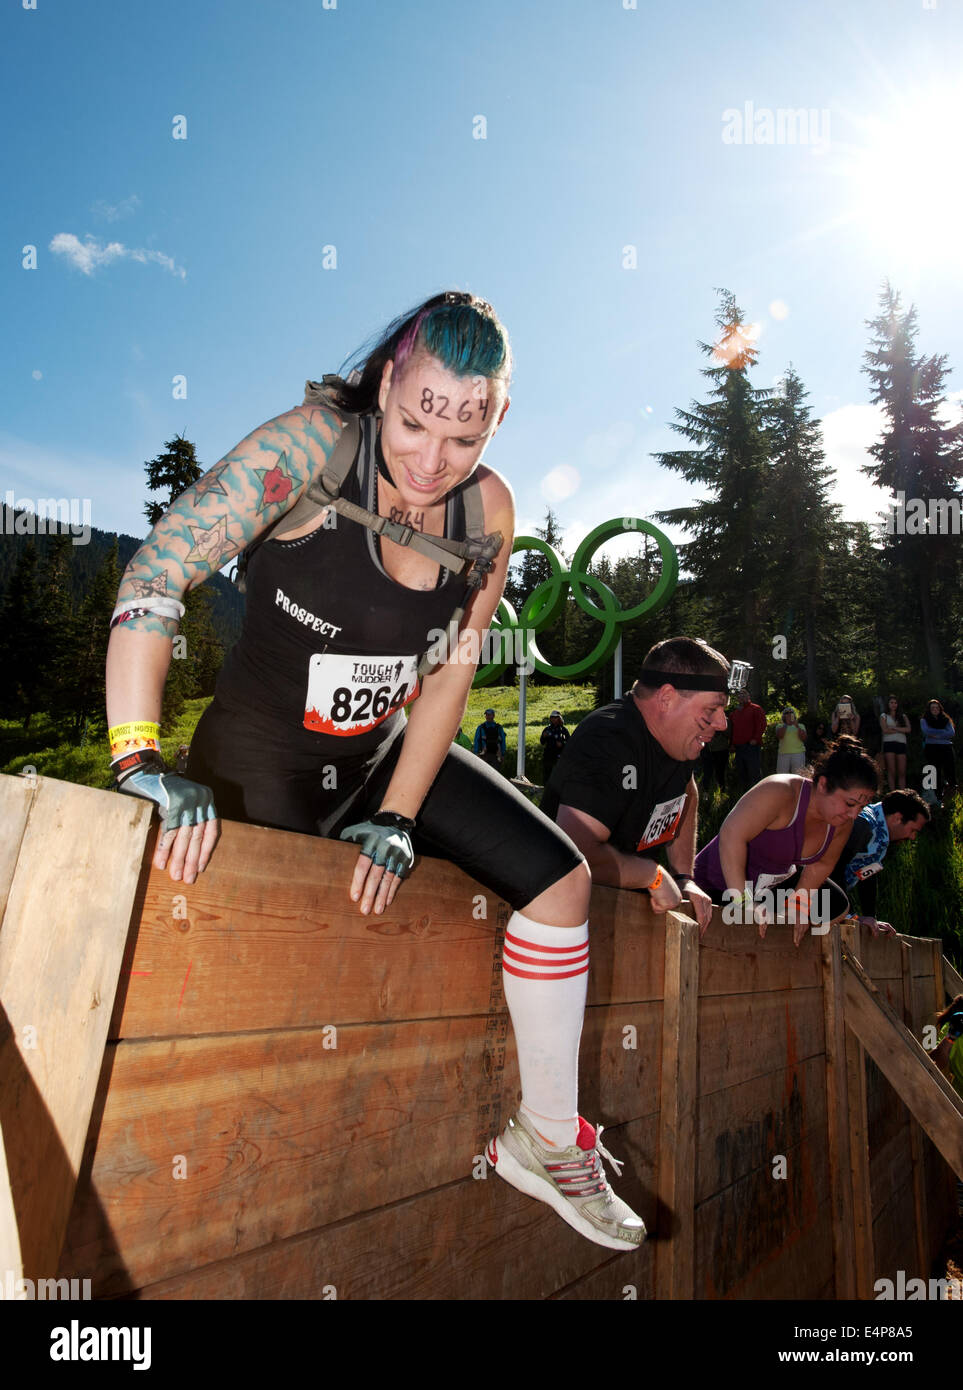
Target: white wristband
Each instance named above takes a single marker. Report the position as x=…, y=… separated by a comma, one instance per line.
x=164, y=607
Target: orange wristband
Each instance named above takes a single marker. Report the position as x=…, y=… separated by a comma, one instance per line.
x=651, y=887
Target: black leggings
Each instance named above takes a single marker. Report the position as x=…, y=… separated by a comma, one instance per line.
x=473, y=816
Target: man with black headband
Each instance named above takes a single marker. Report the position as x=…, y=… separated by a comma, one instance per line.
x=625, y=786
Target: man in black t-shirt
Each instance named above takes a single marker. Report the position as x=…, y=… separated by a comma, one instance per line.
x=625, y=786
x=553, y=740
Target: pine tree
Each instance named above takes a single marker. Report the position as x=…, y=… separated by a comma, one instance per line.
x=176, y=471
x=802, y=530
x=22, y=642
x=193, y=674
x=57, y=618
x=728, y=556
x=87, y=691
x=920, y=457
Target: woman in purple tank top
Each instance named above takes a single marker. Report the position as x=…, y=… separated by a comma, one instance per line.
x=783, y=835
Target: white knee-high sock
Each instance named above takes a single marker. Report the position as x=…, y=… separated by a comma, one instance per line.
x=545, y=976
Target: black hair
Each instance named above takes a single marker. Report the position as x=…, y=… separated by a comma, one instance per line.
x=845, y=765
x=683, y=656
x=908, y=804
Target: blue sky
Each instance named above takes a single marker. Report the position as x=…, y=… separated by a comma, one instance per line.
x=352, y=127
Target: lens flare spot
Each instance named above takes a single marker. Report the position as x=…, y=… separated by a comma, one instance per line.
x=561, y=483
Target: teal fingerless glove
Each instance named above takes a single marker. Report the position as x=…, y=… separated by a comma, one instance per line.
x=181, y=801
x=387, y=845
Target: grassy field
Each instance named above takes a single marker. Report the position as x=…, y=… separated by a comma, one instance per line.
x=921, y=891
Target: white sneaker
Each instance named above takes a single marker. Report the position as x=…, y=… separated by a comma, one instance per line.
x=571, y=1180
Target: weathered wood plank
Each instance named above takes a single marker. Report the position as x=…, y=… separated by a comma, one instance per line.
x=10, y=1257
x=268, y=938
x=837, y=1121
x=66, y=920
x=952, y=980
x=858, y=1106
x=733, y=960
x=917, y=1173
x=745, y=1127
x=880, y=956
x=472, y=1239
x=212, y=1146
x=675, y=1275
x=893, y=1234
x=747, y=1035
x=16, y=798
x=748, y=1227
x=905, y=1065
x=797, y=1270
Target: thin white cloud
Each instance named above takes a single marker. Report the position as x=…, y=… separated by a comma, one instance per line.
x=90, y=254
x=113, y=212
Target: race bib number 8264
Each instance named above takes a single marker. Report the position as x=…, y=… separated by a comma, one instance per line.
x=350, y=695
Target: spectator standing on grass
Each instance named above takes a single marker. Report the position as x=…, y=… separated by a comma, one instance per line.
x=490, y=740
x=894, y=727
x=553, y=740
x=938, y=734
x=748, y=724
x=791, y=737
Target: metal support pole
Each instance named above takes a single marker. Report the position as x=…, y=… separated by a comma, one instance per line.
x=523, y=672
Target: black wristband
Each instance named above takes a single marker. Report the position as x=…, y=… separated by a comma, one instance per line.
x=394, y=819
x=128, y=763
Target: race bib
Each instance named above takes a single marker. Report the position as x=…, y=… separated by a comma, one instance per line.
x=350, y=695
x=663, y=824
x=868, y=870
x=765, y=881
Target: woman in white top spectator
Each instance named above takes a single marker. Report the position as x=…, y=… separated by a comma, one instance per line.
x=894, y=726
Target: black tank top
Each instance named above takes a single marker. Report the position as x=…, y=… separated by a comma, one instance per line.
x=330, y=641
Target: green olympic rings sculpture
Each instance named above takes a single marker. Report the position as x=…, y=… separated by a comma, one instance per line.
x=513, y=634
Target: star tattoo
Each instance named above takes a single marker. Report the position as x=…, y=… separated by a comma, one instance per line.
x=210, y=544
x=144, y=588
x=211, y=482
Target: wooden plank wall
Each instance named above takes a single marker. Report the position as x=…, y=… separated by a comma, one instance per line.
x=911, y=1187
x=68, y=878
x=295, y=1099
x=763, y=1198
x=299, y=1097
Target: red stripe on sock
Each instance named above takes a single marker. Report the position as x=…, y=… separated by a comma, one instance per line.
x=548, y=964
x=534, y=946
x=530, y=975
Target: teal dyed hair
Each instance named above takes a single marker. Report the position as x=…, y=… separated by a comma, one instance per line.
x=463, y=338
x=460, y=330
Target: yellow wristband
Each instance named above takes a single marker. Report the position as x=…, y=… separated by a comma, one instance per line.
x=140, y=728
x=141, y=733
x=656, y=882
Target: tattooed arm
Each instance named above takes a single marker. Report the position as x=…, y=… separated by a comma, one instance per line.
x=205, y=527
